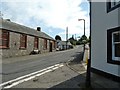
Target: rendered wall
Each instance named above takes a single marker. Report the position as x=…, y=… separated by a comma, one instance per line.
x=100, y=22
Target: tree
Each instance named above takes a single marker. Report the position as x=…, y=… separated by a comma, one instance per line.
x=72, y=40
x=83, y=37
x=82, y=40
x=57, y=37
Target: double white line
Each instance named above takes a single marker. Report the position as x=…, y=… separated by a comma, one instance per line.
x=22, y=79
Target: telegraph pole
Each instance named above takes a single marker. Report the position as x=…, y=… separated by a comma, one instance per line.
x=1, y=14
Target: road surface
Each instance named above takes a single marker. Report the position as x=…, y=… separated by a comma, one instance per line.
x=30, y=64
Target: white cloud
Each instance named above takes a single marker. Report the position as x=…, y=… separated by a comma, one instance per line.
x=53, y=13
x=49, y=30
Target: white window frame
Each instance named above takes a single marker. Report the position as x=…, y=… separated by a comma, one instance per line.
x=114, y=3
x=113, y=47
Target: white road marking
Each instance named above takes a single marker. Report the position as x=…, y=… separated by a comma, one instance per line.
x=30, y=76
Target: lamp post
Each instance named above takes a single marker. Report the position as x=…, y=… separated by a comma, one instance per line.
x=84, y=30
x=88, y=74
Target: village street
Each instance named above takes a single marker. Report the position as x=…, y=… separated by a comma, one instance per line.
x=34, y=37
x=19, y=66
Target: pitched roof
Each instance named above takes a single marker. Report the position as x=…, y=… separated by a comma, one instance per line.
x=8, y=25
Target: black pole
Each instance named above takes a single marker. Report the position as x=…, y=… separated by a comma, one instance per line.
x=88, y=73
x=84, y=33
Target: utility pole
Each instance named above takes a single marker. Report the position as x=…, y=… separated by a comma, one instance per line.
x=1, y=15
x=66, y=36
x=75, y=40
x=75, y=37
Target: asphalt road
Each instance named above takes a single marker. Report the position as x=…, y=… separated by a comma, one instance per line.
x=31, y=64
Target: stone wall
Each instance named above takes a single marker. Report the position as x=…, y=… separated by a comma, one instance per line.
x=14, y=46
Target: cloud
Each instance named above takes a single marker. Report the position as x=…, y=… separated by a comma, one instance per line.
x=51, y=13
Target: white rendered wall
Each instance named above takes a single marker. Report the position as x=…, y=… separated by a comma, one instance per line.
x=100, y=22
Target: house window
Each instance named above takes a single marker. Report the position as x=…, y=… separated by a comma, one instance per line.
x=112, y=4
x=4, y=39
x=36, y=40
x=116, y=45
x=113, y=45
x=45, y=43
x=23, y=41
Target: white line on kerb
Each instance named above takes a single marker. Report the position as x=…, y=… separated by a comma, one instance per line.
x=30, y=76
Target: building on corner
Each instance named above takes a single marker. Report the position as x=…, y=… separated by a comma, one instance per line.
x=105, y=38
x=18, y=40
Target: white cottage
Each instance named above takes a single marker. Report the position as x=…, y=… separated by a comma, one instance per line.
x=63, y=45
x=105, y=38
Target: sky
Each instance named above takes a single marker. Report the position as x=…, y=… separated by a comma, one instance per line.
x=53, y=16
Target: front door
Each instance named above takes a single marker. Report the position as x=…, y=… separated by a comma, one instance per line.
x=50, y=47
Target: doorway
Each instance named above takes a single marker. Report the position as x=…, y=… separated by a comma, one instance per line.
x=50, y=47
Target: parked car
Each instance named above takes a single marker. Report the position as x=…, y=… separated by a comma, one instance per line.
x=57, y=49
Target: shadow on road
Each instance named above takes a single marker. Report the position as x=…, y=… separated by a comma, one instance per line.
x=77, y=58
x=73, y=83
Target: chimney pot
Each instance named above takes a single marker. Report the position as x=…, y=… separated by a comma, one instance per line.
x=38, y=28
x=8, y=19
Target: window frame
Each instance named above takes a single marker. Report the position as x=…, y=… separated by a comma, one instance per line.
x=110, y=7
x=110, y=46
x=36, y=42
x=23, y=40
x=113, y=46
x=4, y=38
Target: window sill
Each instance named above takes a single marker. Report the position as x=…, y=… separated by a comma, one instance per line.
x=22, y=48
x=113, y=62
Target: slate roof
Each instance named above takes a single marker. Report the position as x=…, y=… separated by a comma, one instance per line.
x=11, y=26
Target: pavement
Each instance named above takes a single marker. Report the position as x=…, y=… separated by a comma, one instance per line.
x=72, y=75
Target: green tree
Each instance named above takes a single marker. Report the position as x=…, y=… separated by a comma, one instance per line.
x=57, y=37
x=72, y=40
x=82, y=40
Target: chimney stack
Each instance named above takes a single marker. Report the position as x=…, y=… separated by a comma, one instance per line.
x=8, y=20
x=38, y=28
